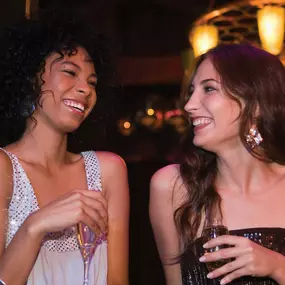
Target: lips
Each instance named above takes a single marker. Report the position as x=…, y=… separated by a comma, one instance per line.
x=77, y=106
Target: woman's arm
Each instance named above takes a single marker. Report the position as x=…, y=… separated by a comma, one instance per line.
x=165, y=196
x=279, y=273
x=17, y=260
x=115, y=184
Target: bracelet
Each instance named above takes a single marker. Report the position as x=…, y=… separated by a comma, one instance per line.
x=2, y=282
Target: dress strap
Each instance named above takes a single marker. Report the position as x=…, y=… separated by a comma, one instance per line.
x=92, y=168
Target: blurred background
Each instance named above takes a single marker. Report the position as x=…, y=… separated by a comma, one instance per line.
x=153, y=53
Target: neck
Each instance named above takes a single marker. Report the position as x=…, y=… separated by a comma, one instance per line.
x=44, y=145
x=242, y=172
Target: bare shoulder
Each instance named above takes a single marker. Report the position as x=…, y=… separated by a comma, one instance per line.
x=5, y=163
x=167, y=184
x=165, y=178
x=113, y=172
x=6, y=175
x=111, y=161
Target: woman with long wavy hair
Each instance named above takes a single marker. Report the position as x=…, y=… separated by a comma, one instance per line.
x=233, y=170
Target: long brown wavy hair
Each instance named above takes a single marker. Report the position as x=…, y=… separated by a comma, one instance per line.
x=257, y=78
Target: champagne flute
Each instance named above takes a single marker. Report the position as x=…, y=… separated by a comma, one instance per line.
x=210, y=231
x=87, y=240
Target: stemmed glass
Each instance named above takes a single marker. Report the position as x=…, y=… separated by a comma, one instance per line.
x=87, y=240
x=213, y=230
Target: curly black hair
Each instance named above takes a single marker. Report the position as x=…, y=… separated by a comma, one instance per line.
x=23, y=50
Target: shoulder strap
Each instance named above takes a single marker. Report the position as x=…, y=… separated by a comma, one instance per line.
x=92, y=168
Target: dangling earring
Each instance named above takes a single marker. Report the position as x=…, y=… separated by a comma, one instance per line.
x=33, y=108
x=253, y=138
x=27, y=109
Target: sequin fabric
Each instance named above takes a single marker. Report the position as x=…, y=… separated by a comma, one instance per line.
x=24, y=202
x=195, y=272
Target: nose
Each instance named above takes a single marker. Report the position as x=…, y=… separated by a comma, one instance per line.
x=193, y=103
x=83, y=88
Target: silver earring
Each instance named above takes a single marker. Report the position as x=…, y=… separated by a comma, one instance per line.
x=253, y=138
x=33, y=108
x=27, y=109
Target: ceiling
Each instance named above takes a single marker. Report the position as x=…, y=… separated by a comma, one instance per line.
x=143, y=28
x=148, y=36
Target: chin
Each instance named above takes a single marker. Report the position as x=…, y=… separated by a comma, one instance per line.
x=69, y=128
x=200, y=141
x=205, y=144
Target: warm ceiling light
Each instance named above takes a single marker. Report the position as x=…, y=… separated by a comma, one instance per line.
x=127, y=125
x=203, y=38
x=150, y=111
x=271, y=28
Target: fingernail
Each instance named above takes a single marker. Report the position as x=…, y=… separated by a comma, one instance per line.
x=223, y=281
x=202, y=258
x=210, y=275
x=205, y=245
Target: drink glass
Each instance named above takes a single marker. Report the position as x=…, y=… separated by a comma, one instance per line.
x=210, y=231
x=87, y=240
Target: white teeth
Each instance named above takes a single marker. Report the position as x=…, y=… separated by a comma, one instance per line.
x=201, y=121
x=74, y=104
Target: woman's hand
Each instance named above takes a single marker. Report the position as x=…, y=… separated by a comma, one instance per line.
x=249, y=258
x=88, y=207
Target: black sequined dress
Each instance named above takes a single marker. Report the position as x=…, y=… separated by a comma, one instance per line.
x=195, y=272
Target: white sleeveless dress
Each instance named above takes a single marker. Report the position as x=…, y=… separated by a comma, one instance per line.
x=59, y=261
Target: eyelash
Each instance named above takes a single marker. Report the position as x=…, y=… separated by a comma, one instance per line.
x=190, y=91
x=208, y=89
x=93, y=84
x=72, y=73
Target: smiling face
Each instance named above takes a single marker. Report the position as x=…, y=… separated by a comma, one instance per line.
x=214, y=115
x=68, y=91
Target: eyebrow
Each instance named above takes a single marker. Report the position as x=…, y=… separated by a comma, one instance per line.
x=208, y=80
x=78, y=67
x=204, y=81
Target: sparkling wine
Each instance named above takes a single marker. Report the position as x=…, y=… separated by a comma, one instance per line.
x=85, y=236
x=209, y=233
x=87, y=241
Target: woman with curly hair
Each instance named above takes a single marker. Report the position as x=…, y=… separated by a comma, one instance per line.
x=52, y=73
x=233, y=171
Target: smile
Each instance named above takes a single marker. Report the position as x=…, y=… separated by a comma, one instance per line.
x=74, y=105
x=201, y=122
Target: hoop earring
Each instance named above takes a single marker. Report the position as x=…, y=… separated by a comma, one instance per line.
x=253, y=138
